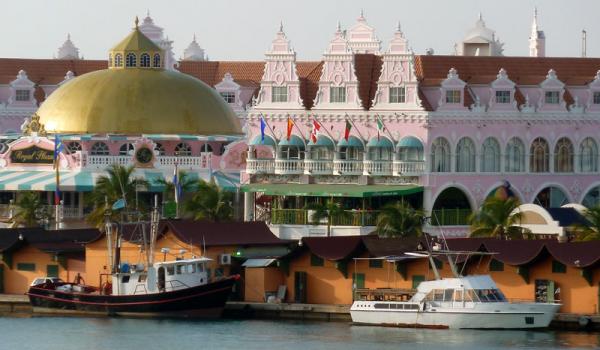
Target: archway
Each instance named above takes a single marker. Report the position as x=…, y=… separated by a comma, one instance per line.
x=592, y=197
x=451, y=207
x=551, y=197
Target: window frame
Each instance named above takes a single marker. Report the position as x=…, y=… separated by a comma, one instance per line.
x=552, y=97
x=502, y=96
x=228, y=96
x=131, y=60
x=145, y=60
x=279, y=94
x=96, y=151
x=397, y=94
x=22, y=95
x=453, y=96
x=337, y=94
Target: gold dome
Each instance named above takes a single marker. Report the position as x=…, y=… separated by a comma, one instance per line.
x=137, y=100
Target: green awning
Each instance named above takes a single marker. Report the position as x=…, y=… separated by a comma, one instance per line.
x=352, y=142
x=268, y=141
x=410, y=142
x=321, y=190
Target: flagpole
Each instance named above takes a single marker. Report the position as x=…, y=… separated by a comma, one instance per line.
x=269, y=127
x=357, y=129
x=315, y=118
x=386, y=128
x=297, y=128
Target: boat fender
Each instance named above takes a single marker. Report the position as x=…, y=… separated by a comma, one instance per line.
x=583, y=321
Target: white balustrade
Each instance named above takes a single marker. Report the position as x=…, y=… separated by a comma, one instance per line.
x=347, y=167
x=94, y=161
x=402, y=168
x=184, y=162
x=289, y=166
x=377, y=167
x=318, y=167
x=260, y=166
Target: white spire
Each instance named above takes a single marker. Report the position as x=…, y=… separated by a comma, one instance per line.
x=194, y=52
x=537, y=39
x=68, y=51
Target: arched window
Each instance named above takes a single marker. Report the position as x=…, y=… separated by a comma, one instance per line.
x=440, y=156
x=592, y=198
x=410, y=149
x=145, y=60
x=73, y=147
x=131, y=60
x=118, y=60
x=160, y=148
x=451, y=208
x=206, y=148
x=465, y=155
x=490, y=156
x=539, y=160
x=156, y=60
x=99, y=149
x=551, y=197
x=588, y=150
x=515, y=156
x=563, y=156
x=183, y=150
x=126, y=149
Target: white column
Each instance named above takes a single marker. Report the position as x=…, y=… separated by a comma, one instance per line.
x=248, y=206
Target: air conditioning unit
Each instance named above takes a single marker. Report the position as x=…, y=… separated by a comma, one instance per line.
x=225, y=259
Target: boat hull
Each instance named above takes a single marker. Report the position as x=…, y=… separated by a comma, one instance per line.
x=499, y=316
x=205, y=301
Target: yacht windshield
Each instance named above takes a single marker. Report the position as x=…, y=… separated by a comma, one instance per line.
x=490, y=295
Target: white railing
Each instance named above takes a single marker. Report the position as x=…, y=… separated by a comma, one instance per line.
x=71, y=213
x=289, y=166
x=105, y=161
x=408, y=168
x=347, y=167
x=184, y=162
x=260, y=166
x=318, y=167
x=378, y=167
x=102, y=162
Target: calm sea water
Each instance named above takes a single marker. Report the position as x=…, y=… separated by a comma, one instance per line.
x=112, y=333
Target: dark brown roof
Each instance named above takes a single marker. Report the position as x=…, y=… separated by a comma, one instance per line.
x=380, y=247
x=52, y=241
x=309, y=74
x=521, y=70
x=334, y=248
x=367, y=69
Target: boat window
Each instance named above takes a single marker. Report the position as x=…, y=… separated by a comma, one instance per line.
x=458, y=295
x=125, y=279
x=200, y=267
x=179, y=269
x=470, y=295
x=382, y=306
x=438, y=295
x=191, y=268
x=142, y=278
x=448, y=294
x=411, y=306
x=170, y=270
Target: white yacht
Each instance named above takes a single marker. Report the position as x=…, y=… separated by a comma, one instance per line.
x=459, y=302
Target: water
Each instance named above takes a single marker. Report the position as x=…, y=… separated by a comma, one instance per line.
x=114, y=333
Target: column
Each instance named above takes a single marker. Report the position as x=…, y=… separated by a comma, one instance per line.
x=248, y=206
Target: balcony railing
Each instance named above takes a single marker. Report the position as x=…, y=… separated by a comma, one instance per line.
x=408, y=168
x=289, y=166
x=347, y=167
x=260, y=166
x=303, y=217
x=318, y=167
x=450, y=217
x=378, y=167
x=102, y=162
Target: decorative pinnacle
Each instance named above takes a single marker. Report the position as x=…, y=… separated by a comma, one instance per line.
x=339, y=26
x=281, y=26
x=398, y=28
x=194, y=37
x=137, y=21
x=362, y=13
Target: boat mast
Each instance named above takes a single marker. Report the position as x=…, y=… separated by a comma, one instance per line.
x=154, y=217
x=109, y=236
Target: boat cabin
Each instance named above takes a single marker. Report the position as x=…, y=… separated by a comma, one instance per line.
x=463, y=290
x=163, y=276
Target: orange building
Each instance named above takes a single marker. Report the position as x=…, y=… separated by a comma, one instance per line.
x=28, y=253
x=327, y=270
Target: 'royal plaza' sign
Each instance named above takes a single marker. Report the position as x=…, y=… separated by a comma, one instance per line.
x=32, y=155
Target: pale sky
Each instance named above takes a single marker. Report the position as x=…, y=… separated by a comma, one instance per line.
x=243, y=29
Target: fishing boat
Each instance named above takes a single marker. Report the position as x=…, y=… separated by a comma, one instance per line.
x=175, y=288
x=464, y=302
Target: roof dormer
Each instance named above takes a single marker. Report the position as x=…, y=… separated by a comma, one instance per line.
x=338, y=85
x=552, y=93
x=280, y=86
x=452, y=93
x=21, y=91
x=230, y=91
x=361, y=37
x=397, y=85
x=502, y=93
x=593, y=103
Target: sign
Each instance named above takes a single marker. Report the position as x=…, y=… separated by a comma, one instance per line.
x=32, y=155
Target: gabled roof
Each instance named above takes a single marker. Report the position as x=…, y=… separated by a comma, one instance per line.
x=51, y=241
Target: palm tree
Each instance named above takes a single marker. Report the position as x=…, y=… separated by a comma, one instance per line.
x=30, y=210
x=498, y=218
x=185, y=181
x=399, y=219
x=591, y=230
x=210, y=203
x=119, y=183
x=331, y=211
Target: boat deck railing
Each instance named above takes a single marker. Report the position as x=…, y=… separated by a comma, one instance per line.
x=384, y=294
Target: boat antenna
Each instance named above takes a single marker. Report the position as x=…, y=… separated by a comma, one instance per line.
x=203, y=245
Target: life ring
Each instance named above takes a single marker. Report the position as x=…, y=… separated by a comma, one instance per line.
x=583, y=321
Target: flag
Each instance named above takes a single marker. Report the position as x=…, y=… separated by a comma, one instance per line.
x=176, y=184
x=316, y=127
x=119, y=204
x=58, y=147
x=347, y=131
x=263, y=125
x=290, y=125
x=380, y=128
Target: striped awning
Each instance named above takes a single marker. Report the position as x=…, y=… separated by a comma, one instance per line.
x=84, y=181
x=154, y=137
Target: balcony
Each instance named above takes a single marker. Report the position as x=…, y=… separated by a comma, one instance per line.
x=184, y=162
x=378, y=167
x=289, y=166
x=450, y=217
x=403, y=168
x=260, y=166
x=347, y=167
x=302, y=217
x=318, y=167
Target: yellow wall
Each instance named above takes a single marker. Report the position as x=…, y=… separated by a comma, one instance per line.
x=258, y=281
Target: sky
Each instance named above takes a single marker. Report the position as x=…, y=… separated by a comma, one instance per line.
x=244, y=29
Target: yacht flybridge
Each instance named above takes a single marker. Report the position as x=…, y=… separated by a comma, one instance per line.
x=459, y=302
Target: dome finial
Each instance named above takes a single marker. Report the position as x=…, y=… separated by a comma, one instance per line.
x=281, y=26
x=137, y=21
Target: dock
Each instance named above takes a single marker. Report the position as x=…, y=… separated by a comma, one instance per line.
x=18, y=306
